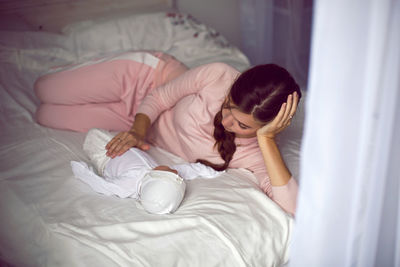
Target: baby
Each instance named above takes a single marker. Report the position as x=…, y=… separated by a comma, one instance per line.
x=160, y=189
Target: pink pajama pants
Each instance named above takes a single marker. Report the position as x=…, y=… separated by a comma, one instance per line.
x=103, y=93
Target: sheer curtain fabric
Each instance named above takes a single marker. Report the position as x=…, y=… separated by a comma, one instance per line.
x=348, y=210
x=277, y=31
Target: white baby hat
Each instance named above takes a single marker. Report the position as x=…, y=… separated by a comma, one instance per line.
x=161, y=192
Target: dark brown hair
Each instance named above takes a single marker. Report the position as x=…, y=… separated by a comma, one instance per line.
x=259, y=91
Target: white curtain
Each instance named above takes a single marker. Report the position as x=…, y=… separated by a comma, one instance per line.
x=349, y=207
x=277, y=31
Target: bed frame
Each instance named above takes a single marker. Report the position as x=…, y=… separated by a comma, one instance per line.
x=53, y=15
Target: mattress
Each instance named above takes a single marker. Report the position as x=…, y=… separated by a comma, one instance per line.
x=48, y=217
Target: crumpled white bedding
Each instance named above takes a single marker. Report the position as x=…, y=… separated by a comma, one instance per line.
x=177, y=34
x=50, y=218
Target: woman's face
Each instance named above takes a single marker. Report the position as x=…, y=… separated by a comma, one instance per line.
x=235, y=121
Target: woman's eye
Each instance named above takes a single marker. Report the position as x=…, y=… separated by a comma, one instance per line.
x=243, y=126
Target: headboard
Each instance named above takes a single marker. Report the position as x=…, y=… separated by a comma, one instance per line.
x=53, y=15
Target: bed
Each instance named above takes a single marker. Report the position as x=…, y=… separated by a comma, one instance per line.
x=48, y=217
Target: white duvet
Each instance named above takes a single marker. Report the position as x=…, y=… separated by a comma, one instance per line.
x=50, y=218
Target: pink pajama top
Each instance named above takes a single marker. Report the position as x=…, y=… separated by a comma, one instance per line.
x=182, y=114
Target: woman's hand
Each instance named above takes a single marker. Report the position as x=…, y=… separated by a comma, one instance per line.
x=124, y=141
x=282, y=120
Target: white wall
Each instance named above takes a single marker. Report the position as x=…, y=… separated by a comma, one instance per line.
x=222, y=15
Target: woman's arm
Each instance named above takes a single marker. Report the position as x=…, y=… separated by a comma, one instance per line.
x=135, y=137
x=153, y=104
x=279, y=174
x=165, y=97
x=194, y=81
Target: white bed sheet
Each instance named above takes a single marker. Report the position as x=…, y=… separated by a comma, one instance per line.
x=50, y=218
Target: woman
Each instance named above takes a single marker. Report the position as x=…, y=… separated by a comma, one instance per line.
x=212, y=114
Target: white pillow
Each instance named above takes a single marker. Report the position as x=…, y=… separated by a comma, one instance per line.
x=180, y=35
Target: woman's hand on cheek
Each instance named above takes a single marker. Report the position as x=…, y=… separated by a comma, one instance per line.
x=122, y=142
x=282, y=120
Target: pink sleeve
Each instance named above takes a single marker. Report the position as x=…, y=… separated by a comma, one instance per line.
x=286, y=195
x=191, y=82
